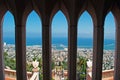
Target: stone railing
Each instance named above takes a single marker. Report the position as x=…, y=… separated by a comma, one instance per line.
x=12, y=74
x=106, y=75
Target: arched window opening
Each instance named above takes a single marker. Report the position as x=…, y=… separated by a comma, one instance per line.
x=109, y=43
x=84, y=46
x=59, y=47
x=9, y=45
x=34, y=45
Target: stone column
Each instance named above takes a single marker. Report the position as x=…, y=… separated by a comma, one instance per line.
x=98, y=52
x=2, y=76
x=117, y=55
x=20, y=42
x=72, y=52
x=46, y=50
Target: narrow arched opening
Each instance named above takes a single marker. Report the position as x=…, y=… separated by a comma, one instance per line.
x=109, y=44
x=84, y=46
x=59, y=46
x=9, y=45
x=34, y=45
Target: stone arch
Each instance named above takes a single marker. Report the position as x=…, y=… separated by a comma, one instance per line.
x=10, y=13
x=33, y=37
x=113, y=14
x=89, y=15
x=27, y=11
x=38, y=13
x=91, y=10
x=3, y=10
x=8, y=27
x=116, y=13
x=81, y=11
x=9, y=22
x=63, y=9
x=22, y=17
x=84, y=38
x=109, y=38
x=62, y=42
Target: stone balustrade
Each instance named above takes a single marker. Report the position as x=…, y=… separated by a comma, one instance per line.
x=11, y=74
x=106, y=75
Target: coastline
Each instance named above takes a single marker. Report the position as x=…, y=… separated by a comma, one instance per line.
x=58, y=42
x=60, y=46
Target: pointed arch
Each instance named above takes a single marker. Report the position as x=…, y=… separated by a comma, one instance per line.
x=109, y=42
x=84, y=44
x=84, y=21
x=60, y=15
x=60, y=43
x=9, y=42
x=91, y=10
x=62, y=8
x=116, y=12
x=34, y=41
x=30, y=22
x=3, y=10
x=109, y=25
x=9, y=22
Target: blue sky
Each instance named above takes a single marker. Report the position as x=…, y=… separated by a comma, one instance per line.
x=59, y=25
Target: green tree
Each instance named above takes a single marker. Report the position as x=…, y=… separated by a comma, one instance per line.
x=81, y=67
x=9, y=61
x=64, y=65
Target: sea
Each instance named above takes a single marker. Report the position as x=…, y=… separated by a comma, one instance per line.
x=62, y=42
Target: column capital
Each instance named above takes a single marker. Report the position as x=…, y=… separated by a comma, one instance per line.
x=118, y=27
x=46, y=25
x=19, y=25
x=99, y=27
x=73, y=25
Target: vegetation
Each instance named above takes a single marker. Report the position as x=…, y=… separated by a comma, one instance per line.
x=9, y=62
x=81, y=65
x=81, y=68
x=64, y=65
